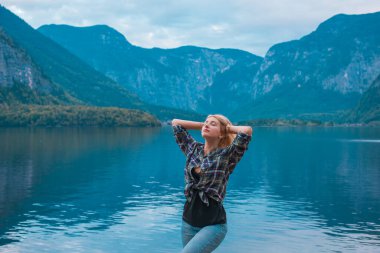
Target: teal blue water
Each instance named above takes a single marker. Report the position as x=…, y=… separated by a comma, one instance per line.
x=121, y=190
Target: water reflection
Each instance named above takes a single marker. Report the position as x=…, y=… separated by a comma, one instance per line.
x=115, y=189
x=321, y=180
x=63, y=177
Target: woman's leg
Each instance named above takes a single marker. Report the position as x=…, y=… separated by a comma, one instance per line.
x=188, y=232
x=205, y=240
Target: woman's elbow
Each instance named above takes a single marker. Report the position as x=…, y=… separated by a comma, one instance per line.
x=248, y=130
x=174, y=122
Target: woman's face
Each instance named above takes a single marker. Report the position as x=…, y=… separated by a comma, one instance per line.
x=211, y=128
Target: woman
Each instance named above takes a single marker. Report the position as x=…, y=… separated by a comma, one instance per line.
x=208, y=167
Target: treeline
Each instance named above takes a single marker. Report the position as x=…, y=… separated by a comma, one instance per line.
x=59, y=116
x=286, y=122
x=302, y=122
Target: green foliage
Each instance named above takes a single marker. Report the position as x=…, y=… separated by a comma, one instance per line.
x=21, y=94
x=368, y=108
x=285, y=122
x=59, y=116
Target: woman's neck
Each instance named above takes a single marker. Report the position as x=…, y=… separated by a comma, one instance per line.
x=210, y=145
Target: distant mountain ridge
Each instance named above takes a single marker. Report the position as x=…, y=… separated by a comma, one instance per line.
x=187, y=77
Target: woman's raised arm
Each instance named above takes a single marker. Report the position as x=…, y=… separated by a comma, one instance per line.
x=188, y=124
x=236, y=129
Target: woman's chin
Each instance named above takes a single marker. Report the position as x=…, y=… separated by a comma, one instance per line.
x=205, y=134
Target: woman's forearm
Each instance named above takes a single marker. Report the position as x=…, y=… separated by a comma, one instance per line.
x=236, y=129
x=195, y=125
x=188, y=124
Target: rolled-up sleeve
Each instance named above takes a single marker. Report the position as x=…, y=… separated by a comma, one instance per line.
x=236, y=150
x=184, y=140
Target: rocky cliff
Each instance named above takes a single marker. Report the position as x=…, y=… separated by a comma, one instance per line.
x=325, y=71
x=65, y=69
x=21, y=81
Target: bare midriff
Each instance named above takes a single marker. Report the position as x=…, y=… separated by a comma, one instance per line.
x=197, y=170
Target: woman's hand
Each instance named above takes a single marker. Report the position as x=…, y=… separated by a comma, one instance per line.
x=236, y=129
x=228, y=130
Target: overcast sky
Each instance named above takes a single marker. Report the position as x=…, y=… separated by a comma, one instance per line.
x=251, y=25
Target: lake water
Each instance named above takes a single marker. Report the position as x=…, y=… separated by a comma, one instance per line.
x=121, y=190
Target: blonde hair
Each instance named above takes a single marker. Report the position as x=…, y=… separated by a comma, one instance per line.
x=227, y=137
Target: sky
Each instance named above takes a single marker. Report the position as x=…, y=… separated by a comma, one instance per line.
x=250, y=25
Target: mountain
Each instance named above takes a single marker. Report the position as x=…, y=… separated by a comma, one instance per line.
x=188, y=77
x=320, y=76
x=368, y=108
x=78, y=79
x=322, y=73
x=21, y=81
x=36, y=70
x=29, y=98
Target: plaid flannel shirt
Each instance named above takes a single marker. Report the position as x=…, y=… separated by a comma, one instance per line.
x=215, y=166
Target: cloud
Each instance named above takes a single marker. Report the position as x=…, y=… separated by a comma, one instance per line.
x=252, y=25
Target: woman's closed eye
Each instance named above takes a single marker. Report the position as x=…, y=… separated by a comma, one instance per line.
x=212, y=123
